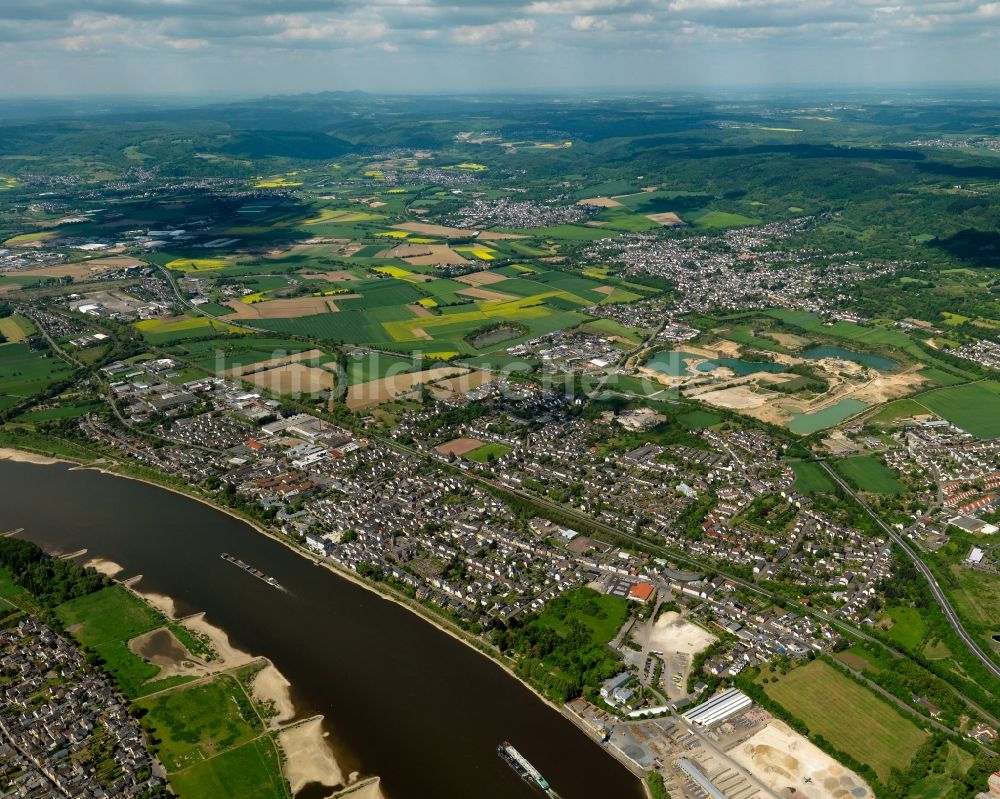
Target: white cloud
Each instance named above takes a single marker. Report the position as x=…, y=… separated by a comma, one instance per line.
x=305, y=28
x=578, y=7
x=433, y=35
x=515, y=31
x=590, y=23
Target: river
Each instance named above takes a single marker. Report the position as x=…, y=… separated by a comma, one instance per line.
x=402, y=699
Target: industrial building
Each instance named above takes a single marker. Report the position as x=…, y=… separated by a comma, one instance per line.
x=700, y=779
x=719, y=708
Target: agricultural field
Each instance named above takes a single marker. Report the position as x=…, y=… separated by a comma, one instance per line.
x=61, y=411
x=222, y=354
x=867, y=473
x=974, y=407
x=406, y=308
x=849, y=716
x=15, y=328
x=168, y=331
x=811, y=478
x=720, y=219
x=25, y=373
x=697, y=420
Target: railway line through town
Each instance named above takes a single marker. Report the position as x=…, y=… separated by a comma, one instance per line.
x=936, y=591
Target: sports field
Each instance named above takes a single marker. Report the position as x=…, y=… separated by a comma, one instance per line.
x=849, y=716
x=483, y=453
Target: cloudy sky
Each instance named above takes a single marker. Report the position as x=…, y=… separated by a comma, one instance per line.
x=268, y=46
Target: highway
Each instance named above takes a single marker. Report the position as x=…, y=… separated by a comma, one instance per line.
x=939, y=597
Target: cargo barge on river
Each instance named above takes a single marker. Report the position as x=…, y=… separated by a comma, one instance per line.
x=250, y=569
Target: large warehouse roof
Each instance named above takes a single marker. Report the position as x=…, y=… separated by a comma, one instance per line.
x=719, y=707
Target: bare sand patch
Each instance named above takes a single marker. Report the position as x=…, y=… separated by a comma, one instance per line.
x=459, y=446
x=270, y=687
x=662, y=377
x=728, y=348
x=293, y=378
x=486, y=294
x=704, y=352
x=366, y=789
x=840, y=367
x=388, y=388
x=599, y=202
x=161, y=602
x=735, y=398
x=482, y=278
x=106, y=567
x=308, y=757
x=284, y=309
x=677, y=641
x=668, y=219
x=295, y=357
x=424, y=254
x=20, y=456
x=671, y=633
x=419, y=310
x=790, y=765
x=890, y=387
x=227, y=655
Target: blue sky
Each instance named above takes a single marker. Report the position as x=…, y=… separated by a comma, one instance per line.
x=288, y=46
